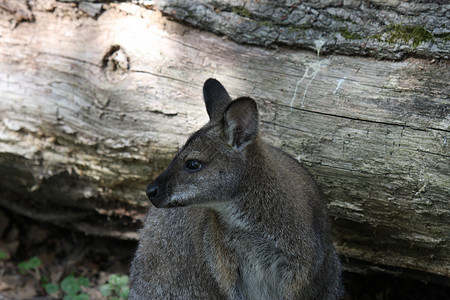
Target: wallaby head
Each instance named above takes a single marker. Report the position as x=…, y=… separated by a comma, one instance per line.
x=207, y=169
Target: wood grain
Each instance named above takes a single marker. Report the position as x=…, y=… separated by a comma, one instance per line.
x=92, y=109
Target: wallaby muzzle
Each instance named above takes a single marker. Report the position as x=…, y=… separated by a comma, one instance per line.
x=153, y=193
x=157, y=191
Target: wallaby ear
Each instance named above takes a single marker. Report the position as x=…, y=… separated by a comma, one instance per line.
x=241, y=122
x=216, y=98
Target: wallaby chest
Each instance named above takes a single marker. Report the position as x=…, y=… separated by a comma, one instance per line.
x=260, y=269
x=248, y=257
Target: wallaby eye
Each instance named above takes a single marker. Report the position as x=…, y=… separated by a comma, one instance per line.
x=193, y=165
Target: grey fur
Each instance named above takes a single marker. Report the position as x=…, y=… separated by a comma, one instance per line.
x=249, y=223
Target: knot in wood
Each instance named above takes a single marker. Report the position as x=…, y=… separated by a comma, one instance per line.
x=116, y=64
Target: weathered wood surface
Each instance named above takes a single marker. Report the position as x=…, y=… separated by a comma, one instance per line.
x=391, y=29
x=92, y=109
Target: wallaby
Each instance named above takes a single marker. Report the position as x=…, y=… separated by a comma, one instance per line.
x=236, y=218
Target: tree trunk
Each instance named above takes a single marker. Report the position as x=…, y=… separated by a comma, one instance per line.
x=93, y=108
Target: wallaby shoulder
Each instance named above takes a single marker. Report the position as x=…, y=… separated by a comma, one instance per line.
x=304, y=194
x=283, y=183
x=292, y=167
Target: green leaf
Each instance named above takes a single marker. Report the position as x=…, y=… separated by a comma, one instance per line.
x=51, y=288
x=81, y=297
x=70, y=285
x=113, y=279
x=106, y=290
x=44, y=280
x=124, y=291
x=32, y=263
x=118, y=280
x=3, y=255
x=76, y=297
x=123, y=280
x=83, y=281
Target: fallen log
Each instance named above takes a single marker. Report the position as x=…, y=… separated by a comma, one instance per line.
x=92, y=109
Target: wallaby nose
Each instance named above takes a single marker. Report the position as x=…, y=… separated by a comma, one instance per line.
x=151, y=191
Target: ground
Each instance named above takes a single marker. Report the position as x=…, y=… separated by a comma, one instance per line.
x=63, y=252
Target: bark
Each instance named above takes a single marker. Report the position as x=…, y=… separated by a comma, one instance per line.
x=391, y=29
x=91, y=109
